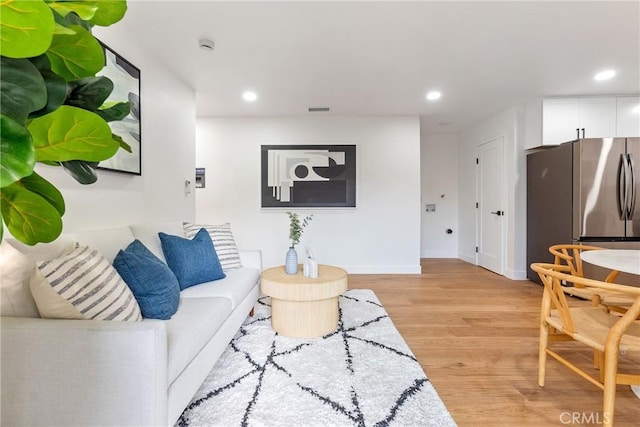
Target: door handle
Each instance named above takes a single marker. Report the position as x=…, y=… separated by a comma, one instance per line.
x=499, y=213
x=634, y=188
x=621, y=184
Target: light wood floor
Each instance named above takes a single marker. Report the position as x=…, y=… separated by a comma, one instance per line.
x=475, y=334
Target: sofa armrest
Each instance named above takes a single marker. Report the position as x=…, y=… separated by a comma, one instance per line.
x=251, y=259
x=83, y=372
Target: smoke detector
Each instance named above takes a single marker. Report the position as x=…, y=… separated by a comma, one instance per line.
x=206, y=44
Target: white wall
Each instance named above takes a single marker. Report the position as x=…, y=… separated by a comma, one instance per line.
x=509, y=125
x=168, y=153
x=439, y=186
x=381, y=235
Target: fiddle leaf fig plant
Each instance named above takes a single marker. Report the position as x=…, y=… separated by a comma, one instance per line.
x=53, y=107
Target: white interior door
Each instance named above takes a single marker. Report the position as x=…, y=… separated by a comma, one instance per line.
x=491, y=212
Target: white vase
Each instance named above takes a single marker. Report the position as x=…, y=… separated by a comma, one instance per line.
x=310, y=268
x=291, y=262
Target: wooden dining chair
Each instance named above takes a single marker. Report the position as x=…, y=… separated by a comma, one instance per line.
x=607, y=332
x=569, y=255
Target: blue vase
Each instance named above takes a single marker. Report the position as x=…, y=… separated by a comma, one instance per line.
x=291, y=262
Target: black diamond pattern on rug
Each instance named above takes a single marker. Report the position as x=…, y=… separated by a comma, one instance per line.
x=362, y=374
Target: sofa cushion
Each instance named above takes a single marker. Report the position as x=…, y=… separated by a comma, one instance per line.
x=235, y=286
x=193, y=261
x=223, y=242
x=148, y=235
x=82, y=284
x=189, y=330
x=152, y=282
x=17, y=262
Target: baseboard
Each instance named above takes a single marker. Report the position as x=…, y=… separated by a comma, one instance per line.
x=375, y=269
x=471, y=259
x=383, y=269
x=516, y=274
x=437, y=254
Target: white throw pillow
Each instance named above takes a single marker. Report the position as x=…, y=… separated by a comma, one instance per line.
x=82, y=284
x=223, y=242
x=17, y=262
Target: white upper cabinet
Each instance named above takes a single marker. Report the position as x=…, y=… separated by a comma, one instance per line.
x=560, y=118
x=597, y=117
x=566, y=119
x=552, y=121
x=628, y=120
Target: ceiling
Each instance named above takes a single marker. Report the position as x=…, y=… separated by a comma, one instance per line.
x=381, y=58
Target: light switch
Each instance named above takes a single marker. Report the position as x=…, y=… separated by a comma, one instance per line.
x=431, y=208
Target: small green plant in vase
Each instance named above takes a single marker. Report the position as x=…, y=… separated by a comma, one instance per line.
x=296, y=228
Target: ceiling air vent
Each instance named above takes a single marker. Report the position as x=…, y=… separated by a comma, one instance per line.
x=318, y=109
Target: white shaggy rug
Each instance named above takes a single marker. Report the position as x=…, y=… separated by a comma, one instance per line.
x=363, y=374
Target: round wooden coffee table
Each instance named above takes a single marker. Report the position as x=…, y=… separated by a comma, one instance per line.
x=303, y=307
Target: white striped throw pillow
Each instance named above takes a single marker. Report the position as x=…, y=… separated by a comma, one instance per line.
x=82, y=284
x=223, y=242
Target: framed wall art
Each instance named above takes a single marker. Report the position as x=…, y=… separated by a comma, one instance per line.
x=126, y=87
x=308, y=176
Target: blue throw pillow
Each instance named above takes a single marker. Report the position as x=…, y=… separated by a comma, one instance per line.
x=153, y=284
x=192, y=261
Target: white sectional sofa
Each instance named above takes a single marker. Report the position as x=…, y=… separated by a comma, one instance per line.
x=111, y=373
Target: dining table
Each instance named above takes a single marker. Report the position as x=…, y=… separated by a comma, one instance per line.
x=624, y=260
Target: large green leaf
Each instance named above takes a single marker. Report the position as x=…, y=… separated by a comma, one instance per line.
x=126, y=147
x=64, y=23
x=81, y=171
x=84, y=9
x=41, y=62
x=100, y=12
x=29, y=217
x=109, y=12
x=17, y=155
x=22, y=88
x=26, y=28
x=62, y=29
x=40, y=186
x=76, y=56
x=50, y=163
x=71, y=133
x=115, y=112
x=56, y=86
x=89, y=93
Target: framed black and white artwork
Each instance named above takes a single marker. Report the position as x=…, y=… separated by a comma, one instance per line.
x=126, y=88
x=308, y=176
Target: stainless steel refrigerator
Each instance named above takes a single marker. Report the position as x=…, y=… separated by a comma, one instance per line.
x=583, y=191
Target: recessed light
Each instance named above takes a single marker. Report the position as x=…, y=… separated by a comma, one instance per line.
x=249, y=96
x=604, y=75
x=433, y=95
